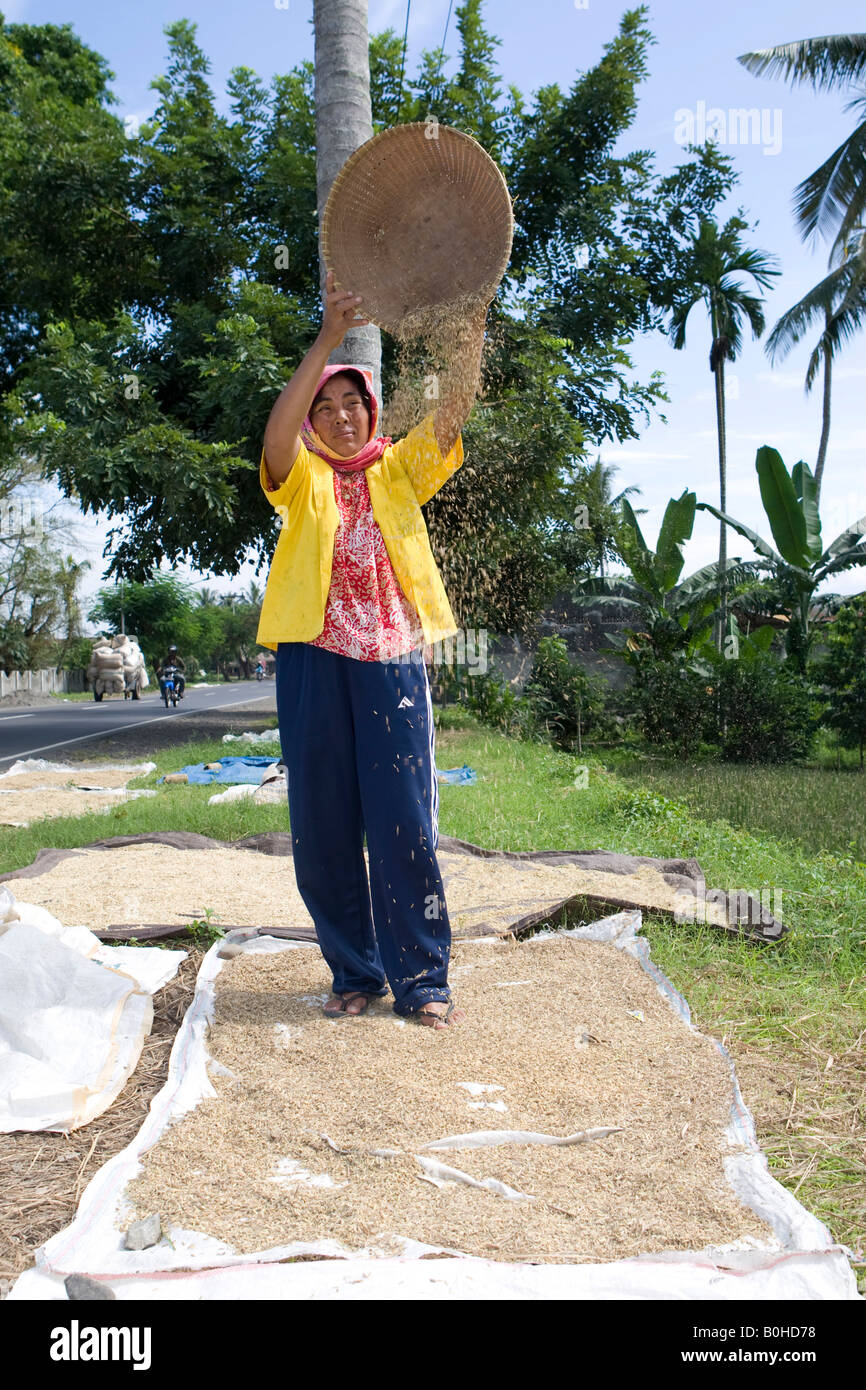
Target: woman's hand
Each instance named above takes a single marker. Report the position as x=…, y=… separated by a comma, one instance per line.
x=283, y=430
x=339, y=315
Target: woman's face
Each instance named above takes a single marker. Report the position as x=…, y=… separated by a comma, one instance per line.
x=340, y=416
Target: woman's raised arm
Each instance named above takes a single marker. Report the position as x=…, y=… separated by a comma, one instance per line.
x=283, y=430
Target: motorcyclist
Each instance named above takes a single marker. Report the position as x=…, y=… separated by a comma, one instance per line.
x=173, y=659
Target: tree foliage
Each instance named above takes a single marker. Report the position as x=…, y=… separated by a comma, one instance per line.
x=173, y=287
x=842, y=673
x=207, y=630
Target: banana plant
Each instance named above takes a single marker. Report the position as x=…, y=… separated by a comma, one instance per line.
x=669, y=616
x=747, y=647
x=801, y=562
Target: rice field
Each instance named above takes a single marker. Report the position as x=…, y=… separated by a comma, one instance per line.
x=817, y=807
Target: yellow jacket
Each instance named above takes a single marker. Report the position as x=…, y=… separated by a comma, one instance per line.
x=407, y=475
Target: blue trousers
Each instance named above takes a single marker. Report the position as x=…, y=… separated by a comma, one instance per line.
x=357, y=739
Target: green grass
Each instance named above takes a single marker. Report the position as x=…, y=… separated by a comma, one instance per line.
x=175, y=807
x=814, y=807
x=783, y=1010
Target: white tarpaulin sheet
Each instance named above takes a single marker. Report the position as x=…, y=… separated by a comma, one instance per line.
x=799, y=1260
x=74, y=1015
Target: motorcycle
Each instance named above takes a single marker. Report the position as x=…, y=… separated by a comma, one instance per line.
x=260, y=672
x=168, y=685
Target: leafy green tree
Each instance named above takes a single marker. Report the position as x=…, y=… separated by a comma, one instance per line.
x=603, y=510
x=156, y=612
x=40, y=611
x=838, y=303
x=39, y=606
x=69, y=244
x=565, y=701
x=831, y=201
x=771, y=711
x=842, y=673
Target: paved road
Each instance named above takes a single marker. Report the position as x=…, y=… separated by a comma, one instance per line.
x=45, y=731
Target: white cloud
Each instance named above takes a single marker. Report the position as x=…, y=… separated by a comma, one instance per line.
x=795, y=381
x=624, y=456
x=783, y=381
x=846, y=443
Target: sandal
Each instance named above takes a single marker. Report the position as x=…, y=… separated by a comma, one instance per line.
x=344, y=1000
x=431, y=1013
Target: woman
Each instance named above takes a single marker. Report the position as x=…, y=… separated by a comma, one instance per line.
x=353, y=596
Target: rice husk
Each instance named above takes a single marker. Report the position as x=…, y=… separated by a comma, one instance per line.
x=24, y=807
x=95, y=776
x=165, y=884
x=431, y=344
x=548, y=1022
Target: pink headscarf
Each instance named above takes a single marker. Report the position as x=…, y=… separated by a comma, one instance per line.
x=376, y=444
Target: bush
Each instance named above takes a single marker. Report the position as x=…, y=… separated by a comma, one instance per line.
x=77, y=655
x=672, y=704
x=563, y=698
x=642, y=807
x=843, y=674
x=772, y=712
x=491, y=699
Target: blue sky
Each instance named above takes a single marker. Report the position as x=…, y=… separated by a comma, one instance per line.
x=693, y=68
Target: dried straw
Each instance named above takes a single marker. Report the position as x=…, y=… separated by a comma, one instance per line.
x=42, y=1175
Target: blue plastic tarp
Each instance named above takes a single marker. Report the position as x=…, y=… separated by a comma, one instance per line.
x=457, y=774
x=250, y=770
x=232, y=770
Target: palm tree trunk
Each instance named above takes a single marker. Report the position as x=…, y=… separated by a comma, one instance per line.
x=343, y=122
x=723, y=491
x=825, y=422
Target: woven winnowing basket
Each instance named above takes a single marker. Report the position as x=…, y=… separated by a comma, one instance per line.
x=414, y=222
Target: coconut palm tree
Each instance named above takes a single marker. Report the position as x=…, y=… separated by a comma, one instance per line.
x=714, y=261
x=830, y=200
x=833, y=198
x=69, y=575
x=603, y=507
x=840, y=301
x=344, y=121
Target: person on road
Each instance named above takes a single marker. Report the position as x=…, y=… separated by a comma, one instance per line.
x=353, y=596
x=172, y=659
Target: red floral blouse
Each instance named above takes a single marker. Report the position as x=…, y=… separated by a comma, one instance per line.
x=367, y=616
